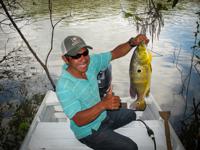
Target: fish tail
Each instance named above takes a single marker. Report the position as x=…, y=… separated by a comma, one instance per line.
x=138, y=105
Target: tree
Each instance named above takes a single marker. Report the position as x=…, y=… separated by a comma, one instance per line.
x=150, y=19
x=43, y=64
x=22, y=114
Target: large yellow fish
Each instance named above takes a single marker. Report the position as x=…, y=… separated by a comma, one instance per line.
x=140, y=76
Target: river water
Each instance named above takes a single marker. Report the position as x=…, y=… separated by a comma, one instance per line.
x=102, y=25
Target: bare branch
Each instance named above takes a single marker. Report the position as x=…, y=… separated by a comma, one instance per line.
x=6, y=57
x=194, y=49
x=27, y=43
x=149, y=20
x=197, y=70
x=53, y=29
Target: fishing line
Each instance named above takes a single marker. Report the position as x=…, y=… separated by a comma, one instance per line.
x=159, y=55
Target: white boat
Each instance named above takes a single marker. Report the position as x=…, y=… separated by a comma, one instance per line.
x=50, y=129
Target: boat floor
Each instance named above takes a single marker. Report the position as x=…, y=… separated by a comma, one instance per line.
x=58, y=136
x=50, y=129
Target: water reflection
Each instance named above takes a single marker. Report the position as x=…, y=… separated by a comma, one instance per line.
x=180, y=19
x=76, y=9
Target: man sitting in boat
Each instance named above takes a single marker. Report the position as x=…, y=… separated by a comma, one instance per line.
x=93, y=119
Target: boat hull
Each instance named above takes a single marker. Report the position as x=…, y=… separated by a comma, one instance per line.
x=50, y=128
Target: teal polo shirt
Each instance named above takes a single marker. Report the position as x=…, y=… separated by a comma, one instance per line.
x=77, y=94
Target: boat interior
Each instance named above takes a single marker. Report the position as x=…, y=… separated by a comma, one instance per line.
x=51, y=128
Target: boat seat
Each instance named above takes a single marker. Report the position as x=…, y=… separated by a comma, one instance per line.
x=52, y=100
x=58, y=136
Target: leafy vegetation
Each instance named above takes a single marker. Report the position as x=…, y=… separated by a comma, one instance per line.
x=15, y=120
x=190, y=135
x=150, y=19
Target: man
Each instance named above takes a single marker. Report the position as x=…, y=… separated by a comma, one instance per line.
x=91, y=119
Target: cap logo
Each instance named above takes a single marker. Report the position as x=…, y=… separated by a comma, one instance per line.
x=75, y=40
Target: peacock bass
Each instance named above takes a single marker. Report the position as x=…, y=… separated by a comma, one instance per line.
x=140, y=76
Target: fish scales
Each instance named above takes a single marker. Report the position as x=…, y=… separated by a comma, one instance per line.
x=140, y=71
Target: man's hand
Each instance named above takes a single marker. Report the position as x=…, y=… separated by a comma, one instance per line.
x=111, y=102
x=124, y=48
x=138, y=39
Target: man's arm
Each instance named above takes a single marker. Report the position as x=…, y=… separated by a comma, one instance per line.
x=84, y=117
x=123, y=49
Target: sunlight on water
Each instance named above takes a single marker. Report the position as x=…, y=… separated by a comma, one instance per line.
x=101, y=25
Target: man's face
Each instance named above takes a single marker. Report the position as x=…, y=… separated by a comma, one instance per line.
x=79, y=63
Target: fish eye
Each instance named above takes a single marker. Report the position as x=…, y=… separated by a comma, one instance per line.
x=139, y=71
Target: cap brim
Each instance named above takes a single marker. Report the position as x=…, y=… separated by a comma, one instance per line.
x=88, y=47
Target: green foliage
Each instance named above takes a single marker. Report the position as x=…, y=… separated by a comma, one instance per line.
x=161, y=6
x=190, y=136
x=196, y=47
x=137, y=18
x=127, y=14
x=174, y=2
x=14, y=128
x=150, y=19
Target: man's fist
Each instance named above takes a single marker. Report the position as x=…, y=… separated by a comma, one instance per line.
x=138, y=39
x=111, y=102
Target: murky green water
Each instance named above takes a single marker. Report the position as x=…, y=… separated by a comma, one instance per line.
x=103, y=26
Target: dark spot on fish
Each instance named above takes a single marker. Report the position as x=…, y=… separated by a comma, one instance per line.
x=138, y=70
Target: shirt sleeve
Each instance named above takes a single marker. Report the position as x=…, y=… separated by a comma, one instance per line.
x=68, y=101
x=101, y=61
